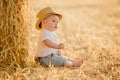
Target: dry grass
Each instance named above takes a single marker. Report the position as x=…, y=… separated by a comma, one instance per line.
x=89, y=32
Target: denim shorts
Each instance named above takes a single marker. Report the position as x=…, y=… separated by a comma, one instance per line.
x=52, y=59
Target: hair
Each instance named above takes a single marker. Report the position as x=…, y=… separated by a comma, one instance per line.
x=40, y=25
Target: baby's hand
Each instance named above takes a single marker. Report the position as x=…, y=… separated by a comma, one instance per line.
x=61, y=46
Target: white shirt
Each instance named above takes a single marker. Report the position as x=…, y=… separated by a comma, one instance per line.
x=42, y=50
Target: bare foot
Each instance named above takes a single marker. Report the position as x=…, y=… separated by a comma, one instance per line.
x=77, y=63
x=74, y=63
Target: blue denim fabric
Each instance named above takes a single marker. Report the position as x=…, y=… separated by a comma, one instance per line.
x=53, y=59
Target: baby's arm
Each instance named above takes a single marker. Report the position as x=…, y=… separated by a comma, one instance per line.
x=51, y=44
x=59, y=52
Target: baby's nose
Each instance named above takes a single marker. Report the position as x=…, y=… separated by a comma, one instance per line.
x=56, y=23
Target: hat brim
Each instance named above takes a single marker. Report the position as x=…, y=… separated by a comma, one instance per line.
x=39, y=21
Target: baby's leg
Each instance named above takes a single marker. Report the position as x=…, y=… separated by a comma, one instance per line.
x=74, y=63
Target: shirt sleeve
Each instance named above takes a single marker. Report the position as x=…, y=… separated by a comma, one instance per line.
x=46, y=35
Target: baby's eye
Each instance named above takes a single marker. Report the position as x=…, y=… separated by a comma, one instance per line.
x=53, y=20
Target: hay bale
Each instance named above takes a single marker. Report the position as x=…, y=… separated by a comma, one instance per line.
x=13, y=35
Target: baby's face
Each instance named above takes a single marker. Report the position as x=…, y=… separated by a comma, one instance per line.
x=51, y=22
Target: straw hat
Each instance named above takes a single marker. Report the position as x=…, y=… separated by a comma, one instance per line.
x=44, y=13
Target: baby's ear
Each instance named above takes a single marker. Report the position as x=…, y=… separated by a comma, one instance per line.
x=43, y=21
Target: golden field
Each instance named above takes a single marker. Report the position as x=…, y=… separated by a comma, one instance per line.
x=90, y=30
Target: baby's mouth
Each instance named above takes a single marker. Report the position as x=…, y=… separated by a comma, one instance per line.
x=55, y=26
